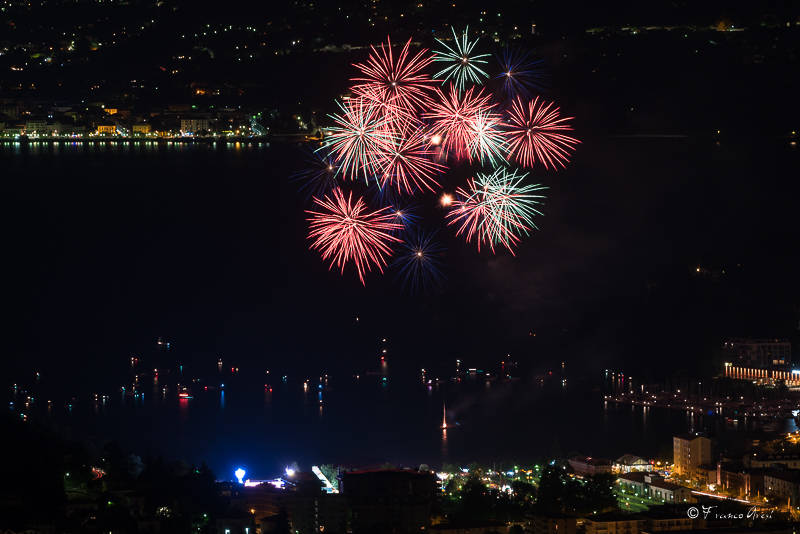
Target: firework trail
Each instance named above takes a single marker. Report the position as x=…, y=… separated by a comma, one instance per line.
x=346, y=231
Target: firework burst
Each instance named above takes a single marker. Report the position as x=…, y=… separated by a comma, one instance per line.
x=401, y=130
x=346, y=231
x=535, y=133
x=405, y=215
x=395, y=81
x=496, y=209
x=406, y=163
x=464, y=65
x=419, y=261
x=318, y=177
x=357, y=137
x=452, y=119
x=487, y=141
x=519, y=74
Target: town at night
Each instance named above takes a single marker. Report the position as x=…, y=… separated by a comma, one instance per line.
x=367, y=267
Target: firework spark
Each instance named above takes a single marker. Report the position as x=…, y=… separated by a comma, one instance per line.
x=357, y=138
x=535, y=134
x=419, y=262
x=519, y=74
x=464, y=63
x=346, y=231
x=396, y=81
x=452, y=119
x=496, y=209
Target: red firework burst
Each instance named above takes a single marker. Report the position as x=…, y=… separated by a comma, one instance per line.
x=496, y=209
x=406, y=163
x=453, y=116
x=346, y=231
x=535, y=134
x=394, y=119
x=398, y=81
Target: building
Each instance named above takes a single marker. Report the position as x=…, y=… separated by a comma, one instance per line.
x=561, y=524
x=614, y=523
x=106, y=129
x=36, y=126
x=235, y=525
x=759, y=353
x=705, y=474
x=633, y=483
x=194, y=126
x=141, y=129
x=586, y=465
x=653, y=486
x=763, y=375
x=764, y=460
x=393, y=501
x=739, y=480
x=475, y=527
x=670, y=518
x=689, y=453
x=629, y=462
x=784, y=485
x=309, y=510
x=669, y=492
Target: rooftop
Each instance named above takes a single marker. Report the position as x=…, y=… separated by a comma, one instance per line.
x=669, y=486
x=631, y=459
x=590, y=460
x=633, y=477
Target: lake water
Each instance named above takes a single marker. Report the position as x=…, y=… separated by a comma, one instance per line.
x=110, y=247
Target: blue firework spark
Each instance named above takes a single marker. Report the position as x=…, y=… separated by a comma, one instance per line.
x=419, y=262
x=405, y=214
x=318, y=177
x=520, y=75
